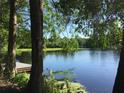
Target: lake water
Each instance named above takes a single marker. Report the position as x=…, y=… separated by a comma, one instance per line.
x=93, y=68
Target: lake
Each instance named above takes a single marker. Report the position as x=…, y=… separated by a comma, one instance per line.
x=93, y=68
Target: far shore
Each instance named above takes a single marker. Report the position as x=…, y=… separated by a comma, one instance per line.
x=45, y=49
x=20, y=50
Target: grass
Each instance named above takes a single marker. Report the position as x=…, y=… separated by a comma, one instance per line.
x=53, y=49
x=45, y=49
x=19, y=51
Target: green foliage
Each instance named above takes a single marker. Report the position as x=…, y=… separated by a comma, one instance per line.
x=4, y=14
x=95, y=18
x=106, y=37
x=115, y=35
x=54, y=23
x=23, y=38
x=49, y=84
x=65, y=86
x=4, y=22
x=21, y=79
x=3, y=39
x=53, y=42
x=85, y=8
x=70, y=44
x=81, y=42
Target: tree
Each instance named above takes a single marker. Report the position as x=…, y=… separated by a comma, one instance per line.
x=36, y=13
x=10, y=64
x=8, y=21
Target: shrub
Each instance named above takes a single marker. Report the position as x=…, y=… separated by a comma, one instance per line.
x=21, y=79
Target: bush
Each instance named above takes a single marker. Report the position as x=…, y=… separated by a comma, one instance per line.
x=21, y=79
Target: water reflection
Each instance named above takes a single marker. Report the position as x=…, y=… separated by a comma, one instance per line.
x=25, y=57
x=57, y=54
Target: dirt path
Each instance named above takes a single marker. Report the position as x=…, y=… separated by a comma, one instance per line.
x=7, y=87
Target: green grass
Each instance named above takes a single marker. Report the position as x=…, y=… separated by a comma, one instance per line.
x=23, y=50
x=46, y=49
x=18, y=51
x=53, y=49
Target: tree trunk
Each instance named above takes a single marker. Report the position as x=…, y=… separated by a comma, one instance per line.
x=119, y=81
x=36, y=14
x=10, y=64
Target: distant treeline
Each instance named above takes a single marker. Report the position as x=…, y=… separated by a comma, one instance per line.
x=24, y=41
